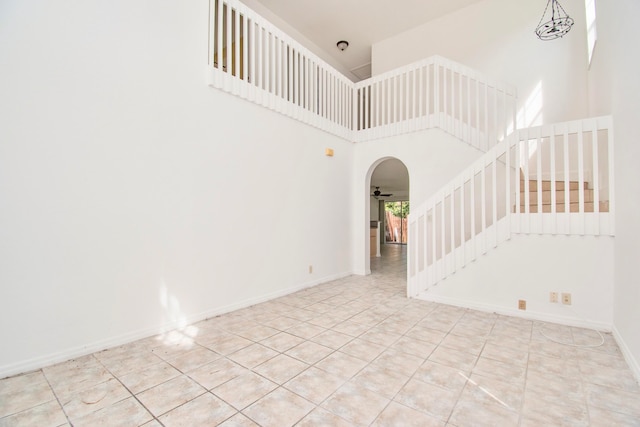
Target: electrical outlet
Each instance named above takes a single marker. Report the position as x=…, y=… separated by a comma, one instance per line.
x=522, y=304
x=553, y=297
x=310, y=269
x=566, y=298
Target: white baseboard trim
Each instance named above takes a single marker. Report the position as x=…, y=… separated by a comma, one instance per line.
x=529, y=315
x=634, y=364
x=75, y=352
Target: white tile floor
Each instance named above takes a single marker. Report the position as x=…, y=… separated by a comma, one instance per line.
x=353, y=352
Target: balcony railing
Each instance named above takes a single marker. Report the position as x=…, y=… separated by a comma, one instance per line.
x=249, y=57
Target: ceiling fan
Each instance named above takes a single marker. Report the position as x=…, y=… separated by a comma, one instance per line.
x=378, y=193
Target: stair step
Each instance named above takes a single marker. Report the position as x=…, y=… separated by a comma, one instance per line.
x=573, y=207
x=546, y=185
x=560, y=196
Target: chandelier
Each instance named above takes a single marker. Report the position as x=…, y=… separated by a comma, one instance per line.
x=558, y=26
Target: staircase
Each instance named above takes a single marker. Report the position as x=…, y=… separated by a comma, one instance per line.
x=546, y=195
x=492, y=200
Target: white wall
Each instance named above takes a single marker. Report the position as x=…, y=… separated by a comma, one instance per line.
x=497, y=38
x=615, y=88
x=132, y=196
x=432, y=158
x=528, y=268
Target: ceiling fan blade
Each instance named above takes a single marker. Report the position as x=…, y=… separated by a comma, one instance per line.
x=386, y=195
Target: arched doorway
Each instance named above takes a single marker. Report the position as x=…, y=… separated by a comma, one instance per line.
x=388, y=194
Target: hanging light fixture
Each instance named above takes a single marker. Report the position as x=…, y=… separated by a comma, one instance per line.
x=342, y=44
x=558, y=26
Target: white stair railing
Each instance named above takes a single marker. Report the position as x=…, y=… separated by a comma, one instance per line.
x=498, y=195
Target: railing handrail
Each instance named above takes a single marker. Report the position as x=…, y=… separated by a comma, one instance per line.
x=438, y=59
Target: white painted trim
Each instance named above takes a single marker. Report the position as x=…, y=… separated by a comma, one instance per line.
x=634, y=364
x=71, y=353
x=529, y=315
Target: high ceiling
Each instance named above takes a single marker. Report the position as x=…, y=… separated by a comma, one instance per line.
x=361, y=23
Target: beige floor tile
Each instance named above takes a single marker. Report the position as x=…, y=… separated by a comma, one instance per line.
x=280, y=408
x=394, y=327
x=242, y=391
x=425, y=334
x=129, y=409
x=226, y=344
x=258, y=333
x=94, y=399
x=453, y=358
x=538, y=412
x=48, y=414
x=613, y=399
x=325, y=321
x=282, y=342
x=282, y=323
x=384, y=381
x=322, y=418
x=566, y=367
x=601, y=358
x=215, y=373
x=513, y=340
x=281, y=368
x=332, y=339
x=75, y=375
x=442, y=376
x=23, y=392
x=135, y=362
x=362, y=349
x=193, y=359
x=500, y=370
x=399, y=415
x=548, y=348
x=252, y=356
x=174, y=344
x=315, y=384
x=435, y=401
x=356, y=404
x=239, y=420
x=305, y=330
x=351, y=328
x=169, y=395
x=414, y=347
x=140, y=381
x=341, y=364
x=310, y=352
x=504, y=354
x=380, y=337
x=493, y=390
x=471, y=412
x=554, y=389
x=320, y=307
x=620, y=378
x=404, y=363
x=302, y=314
x=605, y=418
x=468, y=344
x=205, y=410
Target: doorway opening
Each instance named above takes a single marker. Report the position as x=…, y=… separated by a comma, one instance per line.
x=388, y=209
x=396, y=222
